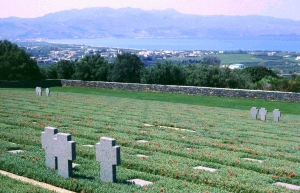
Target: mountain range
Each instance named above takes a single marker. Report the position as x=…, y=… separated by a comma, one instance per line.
x=137, y=23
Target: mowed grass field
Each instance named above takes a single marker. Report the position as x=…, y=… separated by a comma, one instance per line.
x=240, y=58
x=212, y=132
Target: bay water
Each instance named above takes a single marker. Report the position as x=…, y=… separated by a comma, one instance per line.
x=247, y=44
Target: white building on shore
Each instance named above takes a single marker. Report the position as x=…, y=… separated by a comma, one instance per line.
x=237, y=66
x=234, y=66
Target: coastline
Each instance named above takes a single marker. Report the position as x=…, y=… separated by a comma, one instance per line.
x=245, y=44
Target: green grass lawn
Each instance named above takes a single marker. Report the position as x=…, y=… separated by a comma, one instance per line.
x=229, y=58
x=9, y=185
x=239, y=58
x=231, y=103
x=223, y=133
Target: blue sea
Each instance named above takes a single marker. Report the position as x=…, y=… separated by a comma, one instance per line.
x=249, y=44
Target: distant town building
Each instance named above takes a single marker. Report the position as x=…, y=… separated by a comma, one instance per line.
x=237, y=66
x=271, y=53
x=286, y=75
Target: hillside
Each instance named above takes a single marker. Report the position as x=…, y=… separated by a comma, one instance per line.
x=137, y=23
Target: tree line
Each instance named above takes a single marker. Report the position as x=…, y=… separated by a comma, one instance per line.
x=15, y=64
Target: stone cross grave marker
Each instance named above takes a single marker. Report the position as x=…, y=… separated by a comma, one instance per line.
x=75, y=165
x=142, y=156
x=254, y=112
x=109, y=157
x=276, y=115
x=205, y=168
x=289, y=186
x=60, y=151
x=65, y=152
x=263, y=113
x=140, y=182
x=47, y=143
x=88, y=145
x=16, y=151
x=47, y=92
x=142, y=141
x=38, y=91
x=253, y=160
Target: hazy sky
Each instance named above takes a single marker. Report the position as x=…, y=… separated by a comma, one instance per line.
x=276, y=8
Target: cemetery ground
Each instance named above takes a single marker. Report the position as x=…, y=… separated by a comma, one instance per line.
x=180, y=133
x=12, y=185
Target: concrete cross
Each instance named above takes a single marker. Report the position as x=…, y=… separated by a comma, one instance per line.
x=263, y=113
x=38, y=91
x=65, y=152
x=47, y=92
x=49, y=146
x=109, y=157
x=59, y=150
x=276, y=115
x=254, y=112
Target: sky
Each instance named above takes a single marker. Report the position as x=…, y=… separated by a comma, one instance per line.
x=275, y=8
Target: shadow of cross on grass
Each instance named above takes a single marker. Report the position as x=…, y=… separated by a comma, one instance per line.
x=59, y=150
x=109, y=157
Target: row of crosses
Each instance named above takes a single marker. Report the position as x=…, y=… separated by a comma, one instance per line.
x=60, y=151
x=263, y=113
x=38, y=91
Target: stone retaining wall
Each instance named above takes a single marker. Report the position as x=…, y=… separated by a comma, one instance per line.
x=203, y=91
x=29, y=83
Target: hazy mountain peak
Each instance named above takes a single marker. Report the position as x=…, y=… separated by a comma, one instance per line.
x=133, y=22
